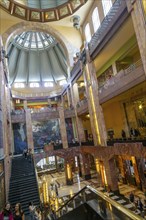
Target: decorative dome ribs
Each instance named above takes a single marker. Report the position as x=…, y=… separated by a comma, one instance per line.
x=36, y=57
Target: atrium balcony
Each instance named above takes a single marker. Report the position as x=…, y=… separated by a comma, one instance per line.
x=122, y=81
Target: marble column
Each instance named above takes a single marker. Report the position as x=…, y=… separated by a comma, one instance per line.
x=62, y=127
x=138, y=18
x=75, y=100
x=95, y=109
x=122, y=169
x=5, y=121
x=97, y=165
x=111, y=175
x=68, y=172
x=29, y=129
x=136, y=174
x=68, y=98
x=142, y=172
x=114, y=68
x=85, y=166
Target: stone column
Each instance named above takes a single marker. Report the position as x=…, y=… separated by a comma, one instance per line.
x=62, y=127
x=136, y=174
x=121, y=169
x=25, y=104
x=68, y=172
x=138, y=19
x=95, y=109
x=97, y=165
x=142, y=172
x=68, y=98
x=29, y=129
x=85, y=166
x=74, y=125
x=75, y=99
x=114, y=68
x=4, y=121
x=111, y=174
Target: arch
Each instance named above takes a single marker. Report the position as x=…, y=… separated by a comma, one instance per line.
x=25, y=26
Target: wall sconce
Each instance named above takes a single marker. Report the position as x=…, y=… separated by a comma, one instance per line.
x=76, y=21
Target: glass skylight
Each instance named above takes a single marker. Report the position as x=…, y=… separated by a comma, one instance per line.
x=34, y=85
x=34, y=40
x=19, y=85
x=48, y=84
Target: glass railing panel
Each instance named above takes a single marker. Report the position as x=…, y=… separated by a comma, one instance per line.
x=108, y=206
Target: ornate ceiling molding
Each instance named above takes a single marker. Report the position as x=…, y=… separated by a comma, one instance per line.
x=41, y=15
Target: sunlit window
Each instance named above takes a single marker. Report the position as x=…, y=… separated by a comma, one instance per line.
x=87, y=33
x=19, y=85
x=48, y=84
x=34, y=85
x=107, y=4
x=95, y=19
x=63, y=82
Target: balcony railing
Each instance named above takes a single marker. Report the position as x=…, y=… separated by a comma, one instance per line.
x=22, y=95
x=82, y=106
x=76, y=68
x=69, y=112
x=114, y=15
x=18, y=116
x=122, y=81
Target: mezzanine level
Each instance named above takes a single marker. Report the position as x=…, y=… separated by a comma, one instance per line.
x=122, y=81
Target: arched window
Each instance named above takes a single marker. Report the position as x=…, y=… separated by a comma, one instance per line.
x=107, y=4
x=95, y=19
x=87, y=33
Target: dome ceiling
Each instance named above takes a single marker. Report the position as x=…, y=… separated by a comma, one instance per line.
x=36, y=57
x=41, y=10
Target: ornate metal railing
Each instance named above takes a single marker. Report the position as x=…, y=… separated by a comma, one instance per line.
x=107, y=24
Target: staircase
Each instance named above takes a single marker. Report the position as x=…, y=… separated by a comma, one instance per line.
x=23, y=183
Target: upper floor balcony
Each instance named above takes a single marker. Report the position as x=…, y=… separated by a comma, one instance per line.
x=122, y=81
x=18, y=116
x=82, y=107
x=69, y=112
x=110, y=24
x=76, y=69
x=41, y=114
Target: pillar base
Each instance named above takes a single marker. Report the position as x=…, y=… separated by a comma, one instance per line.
x=80, y=174
x=87, y=177
x=69, y=182
x=116, y=192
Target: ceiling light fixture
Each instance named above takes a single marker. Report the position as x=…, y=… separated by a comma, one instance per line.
x=76, y=21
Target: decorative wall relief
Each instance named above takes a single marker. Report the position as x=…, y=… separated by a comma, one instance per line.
x=45, y=132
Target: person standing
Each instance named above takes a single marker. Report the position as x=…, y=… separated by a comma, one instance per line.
x=131, y=197
x=18, y=213
x=123, y=134
x=6, y=214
